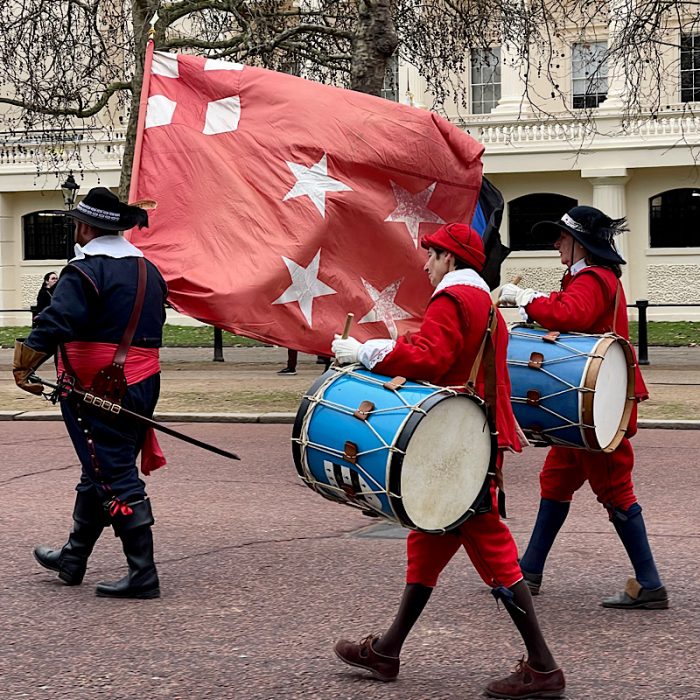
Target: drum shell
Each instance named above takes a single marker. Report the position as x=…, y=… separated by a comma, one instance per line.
x=573, y=359
x=396, y=426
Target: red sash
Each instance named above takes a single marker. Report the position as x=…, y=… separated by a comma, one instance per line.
x=87, y=359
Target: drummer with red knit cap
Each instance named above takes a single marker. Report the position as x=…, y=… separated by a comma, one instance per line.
x=459, y=320
x=591, y=300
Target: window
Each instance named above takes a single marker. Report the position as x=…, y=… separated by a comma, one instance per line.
x=47, y=236
x=390, y=88
x=485, y=79
x=673, y=219
x=590, y=74
x=525, y=212
x=690, y=68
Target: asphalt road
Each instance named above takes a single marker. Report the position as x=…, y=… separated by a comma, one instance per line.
x=260, y=575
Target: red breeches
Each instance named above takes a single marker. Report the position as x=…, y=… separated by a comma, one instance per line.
x=487, y=541
x=565, y=470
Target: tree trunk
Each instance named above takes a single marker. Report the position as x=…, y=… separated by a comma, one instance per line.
x=373, y=45
x=142, y=12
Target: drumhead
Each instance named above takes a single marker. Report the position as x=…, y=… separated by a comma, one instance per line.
x=446, y=463
x=610, y=397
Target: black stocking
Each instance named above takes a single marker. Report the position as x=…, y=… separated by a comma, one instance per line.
x=415, y=598
x=525, y=619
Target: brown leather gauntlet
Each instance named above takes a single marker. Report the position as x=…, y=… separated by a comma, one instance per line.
x=25, y=362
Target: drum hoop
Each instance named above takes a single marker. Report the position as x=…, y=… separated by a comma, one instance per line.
x=395, y=461
x=304, y=413
x=590, y=377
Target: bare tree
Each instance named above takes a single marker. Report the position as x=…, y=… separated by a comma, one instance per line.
x=71, y=65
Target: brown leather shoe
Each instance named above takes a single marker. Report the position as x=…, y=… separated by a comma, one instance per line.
x=362, y=655
x=528, y=683
x=636, y=597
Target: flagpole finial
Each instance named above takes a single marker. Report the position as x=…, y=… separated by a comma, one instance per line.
x=152, y=30
x=409, y=94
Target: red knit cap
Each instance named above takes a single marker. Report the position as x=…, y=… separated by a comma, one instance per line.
x=459, y=239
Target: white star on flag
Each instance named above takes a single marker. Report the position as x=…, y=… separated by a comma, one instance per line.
x=305, y=286
x=385, y=309
x=412, y=209
x=314, y=182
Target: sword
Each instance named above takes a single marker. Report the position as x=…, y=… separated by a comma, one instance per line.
x=64, y=388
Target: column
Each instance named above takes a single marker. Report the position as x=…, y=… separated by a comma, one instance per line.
x=618, y=16
x=609, y=196
x=512, y=81
x=7, y=256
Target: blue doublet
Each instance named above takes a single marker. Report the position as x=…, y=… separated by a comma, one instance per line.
x=92, y=302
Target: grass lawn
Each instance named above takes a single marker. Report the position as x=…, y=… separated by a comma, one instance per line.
x=173, y=337
x=669, y=333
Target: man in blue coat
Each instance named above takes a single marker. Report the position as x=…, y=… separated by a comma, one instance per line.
x=105, y=323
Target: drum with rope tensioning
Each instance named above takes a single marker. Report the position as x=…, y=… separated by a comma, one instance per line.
x=571, y=389
x=416, y=454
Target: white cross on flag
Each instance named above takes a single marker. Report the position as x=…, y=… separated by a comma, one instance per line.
x=284, y=204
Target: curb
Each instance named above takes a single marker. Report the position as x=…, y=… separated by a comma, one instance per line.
x=267, y=418
x=284, y=418
x=669, y=424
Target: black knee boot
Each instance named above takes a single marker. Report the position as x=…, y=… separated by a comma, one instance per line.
x=134, y=530
x=89, y=519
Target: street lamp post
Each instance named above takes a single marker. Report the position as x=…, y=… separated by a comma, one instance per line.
x=70, y=191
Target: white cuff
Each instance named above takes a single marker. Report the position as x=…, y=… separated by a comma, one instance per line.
x=374, y=351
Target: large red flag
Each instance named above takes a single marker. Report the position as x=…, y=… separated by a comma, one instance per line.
x=284, y=204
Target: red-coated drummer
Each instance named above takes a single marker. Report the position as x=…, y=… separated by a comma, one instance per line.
x=443, y=352
x=591, y=300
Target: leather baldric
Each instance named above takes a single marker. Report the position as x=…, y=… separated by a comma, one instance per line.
x=486, y=355
x=110, y=381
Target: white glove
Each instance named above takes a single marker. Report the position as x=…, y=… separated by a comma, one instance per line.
x=512, y=295
x=345, y=349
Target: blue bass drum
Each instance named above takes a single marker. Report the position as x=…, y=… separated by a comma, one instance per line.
x=571, y=389
x=416, y=454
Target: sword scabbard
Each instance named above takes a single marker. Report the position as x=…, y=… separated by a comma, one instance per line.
x=116, y=409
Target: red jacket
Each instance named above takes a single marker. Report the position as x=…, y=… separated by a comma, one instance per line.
x=444, y=349
x=586, y=304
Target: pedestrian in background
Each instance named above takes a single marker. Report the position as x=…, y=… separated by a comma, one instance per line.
x=43, y=298
x=291, y=368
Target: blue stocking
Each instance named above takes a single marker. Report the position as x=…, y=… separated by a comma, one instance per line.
x=633, y=534
x=550, y=518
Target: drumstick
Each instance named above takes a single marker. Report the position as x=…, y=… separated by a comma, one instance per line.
x=348, y=323
x=346, y=332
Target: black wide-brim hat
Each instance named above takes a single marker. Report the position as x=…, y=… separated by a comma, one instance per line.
x=591, y=228
x=102, y=209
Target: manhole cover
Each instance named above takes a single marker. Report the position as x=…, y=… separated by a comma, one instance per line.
x=383, y=530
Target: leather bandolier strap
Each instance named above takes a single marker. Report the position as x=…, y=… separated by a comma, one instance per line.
x=110, y=382
x=487, y=357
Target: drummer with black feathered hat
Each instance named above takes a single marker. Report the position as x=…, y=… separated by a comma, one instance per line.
x=105, y=321
x=592, y=301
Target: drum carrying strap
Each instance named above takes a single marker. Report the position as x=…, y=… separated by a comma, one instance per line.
x=487, y=356
x=617, y=303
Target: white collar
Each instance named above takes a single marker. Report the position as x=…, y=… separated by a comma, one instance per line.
x=111, y=246
x=578, y=266
x=466, y=276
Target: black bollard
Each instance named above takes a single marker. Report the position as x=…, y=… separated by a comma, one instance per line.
x=643, y=338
